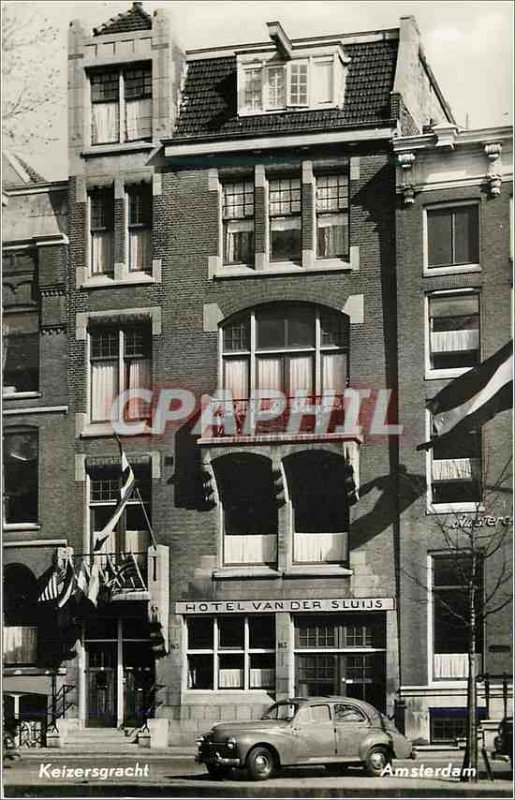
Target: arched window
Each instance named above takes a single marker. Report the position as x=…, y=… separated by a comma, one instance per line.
x=291, y=348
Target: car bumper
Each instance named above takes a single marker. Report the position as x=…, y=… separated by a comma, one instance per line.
x=211, y=756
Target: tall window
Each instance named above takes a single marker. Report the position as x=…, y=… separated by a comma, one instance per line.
x=20, y=323
x=456, y=469
x=20, y=630
x=120, y=360
x=140, y=227
x=121, y=104
x=296, y=347
x=332, y=213
x=285, y=219
x=336, y=652
x=132, y=534
x=276, y=87
x=101, y=214
x=453, y=236
x=298, y=83
x=231, y=652
x=452, y=577
x=238, y=222
x=453, y=330
x=21, y=476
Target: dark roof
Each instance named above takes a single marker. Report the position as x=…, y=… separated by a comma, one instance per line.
x=209, y=109
x=135, y=19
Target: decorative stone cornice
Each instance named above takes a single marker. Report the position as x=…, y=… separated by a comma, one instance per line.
x=494, y=172
x=405, y=162
x=446, y=135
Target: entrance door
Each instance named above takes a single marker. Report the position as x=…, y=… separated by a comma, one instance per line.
x=101, y=683
x=138, y=682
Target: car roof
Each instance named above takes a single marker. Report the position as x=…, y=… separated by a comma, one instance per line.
x=371, y=710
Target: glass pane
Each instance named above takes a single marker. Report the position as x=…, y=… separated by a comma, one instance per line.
x=137, y=82
x=262, y=671
x=140, y=250
x=276, y=87
x=466, y=235
x=451, y=571
x=200, y=672
x=200, y=633
x=237, y=335
x=236, y=377
x=300, y=328
x=285, y=240
x=439, y=237
x=271, y=329
x=21, y=478
x=238, y=200
x=105, y=123
x=322, y=77
x=238, y=244
x=262, y=632
x=104, y=389
x=300, y=374
x=104, y=86
x=451, y=614
x=270, y=373
x=334, y=372
x=138, y=119
x=231, y=633
x=21, y=363
x=332, y=236
x=230, y=672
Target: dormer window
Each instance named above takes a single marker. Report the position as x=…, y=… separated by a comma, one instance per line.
x=121, y=104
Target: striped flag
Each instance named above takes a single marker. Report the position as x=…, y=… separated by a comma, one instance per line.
x=469, y=401
x=60, y=585
x=128, y=485
x=68, y=584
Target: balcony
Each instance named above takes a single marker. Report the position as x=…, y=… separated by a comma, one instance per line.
x=268, y=420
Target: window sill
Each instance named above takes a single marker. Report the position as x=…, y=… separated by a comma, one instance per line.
x=451, y=270
x=253, y=112
x=106, y=282
x=21, y=395
x=454, y=508
x=116, y=147
x=200, y=694
x=12, y=669
x=317, y=570
x=228, y=573
x=282, y=268
x=94, y=429
x=22, y=526
x=443, y=374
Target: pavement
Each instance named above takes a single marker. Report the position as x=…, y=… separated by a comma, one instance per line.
x=174, y=773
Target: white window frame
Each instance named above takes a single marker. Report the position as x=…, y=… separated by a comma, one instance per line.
x=454, y=372
x=147, y=268
x=266, y=63
x=99, y=276
x=240, y=223
x=321, y=214
x=444, y=508
x=454, y=268
x=215, y=651
x=120, y=68
x=35, y=432
x=432, y=681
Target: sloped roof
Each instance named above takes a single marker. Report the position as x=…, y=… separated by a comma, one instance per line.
x=16, y=172
x=135, y=19
x=209, y=101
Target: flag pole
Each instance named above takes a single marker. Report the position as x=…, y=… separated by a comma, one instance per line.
x=150, y=528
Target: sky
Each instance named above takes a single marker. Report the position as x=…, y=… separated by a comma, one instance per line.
x=468, y=43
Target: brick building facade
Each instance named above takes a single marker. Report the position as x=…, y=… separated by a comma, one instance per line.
x=236, y=229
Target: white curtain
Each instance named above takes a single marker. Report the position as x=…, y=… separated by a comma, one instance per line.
x=138, y=119
x=250, y=549
x=450, y=666
x=102, y=252
x=455, y=469
x=140, y=249
x=334, y=372
x=236, y=377
x=138, y=378
x=320, y=547
x=20, y=644
x=105, y=125
x=262, y=678
x=332, y=238
x=301, y=374
x=104, y=388
x=237, y=240
x=451, y=341
x=230, y=679
x=270, y=373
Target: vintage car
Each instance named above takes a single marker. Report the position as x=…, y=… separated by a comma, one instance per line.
x=333, y=731
x=503, y=742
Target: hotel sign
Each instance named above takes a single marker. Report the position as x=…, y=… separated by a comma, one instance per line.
x=272, y=606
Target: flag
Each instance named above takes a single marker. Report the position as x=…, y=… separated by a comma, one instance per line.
x=83, y=579
x=94, y=584
x=469, y=401
x=128, y=485
x=68, y=584
x=60, y=584
x=125, y=576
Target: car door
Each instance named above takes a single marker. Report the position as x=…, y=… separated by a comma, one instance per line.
x=351, y=728
x=313, y=729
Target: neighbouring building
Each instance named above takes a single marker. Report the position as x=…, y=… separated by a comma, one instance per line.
x=256, y=223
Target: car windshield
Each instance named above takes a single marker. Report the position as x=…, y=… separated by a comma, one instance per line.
x=281, y=711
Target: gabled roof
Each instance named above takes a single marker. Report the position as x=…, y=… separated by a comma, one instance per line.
x=16, y=172
x=209, y=102
x=135, y=19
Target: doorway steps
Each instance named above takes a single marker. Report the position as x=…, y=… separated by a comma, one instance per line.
x=101, y=740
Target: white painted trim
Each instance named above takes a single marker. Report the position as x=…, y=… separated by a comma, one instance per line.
x=83, y=318
x=36, y=410
x=41, y=188
x=451, y=268
x=37, y=241
x=233, y=145
x=427, y=141
x=37, y=542
x=20, y=395
x=444, y=374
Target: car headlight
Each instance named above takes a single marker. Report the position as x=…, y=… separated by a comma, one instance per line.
x=200, y=739
x=231, y=743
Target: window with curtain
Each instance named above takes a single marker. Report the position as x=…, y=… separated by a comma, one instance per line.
x=101, y=215
x=332, y=215
x=121, y=104
x=454, y=340
x=20, y=352
x=131, y=534
x=139, y=200
x=20, y=630
x=456, y=469
x=21, y=462
x=238, y=222
x=120, y=360
x=452, y=576
x=231, y=652
x=290, y=348
x=285, y=219
x=452, y=235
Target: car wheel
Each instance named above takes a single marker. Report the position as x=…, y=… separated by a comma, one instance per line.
x=260, y=763
x=217, y=771
x=376, y=760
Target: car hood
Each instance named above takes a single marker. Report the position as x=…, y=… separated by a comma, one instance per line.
x=225, y=729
